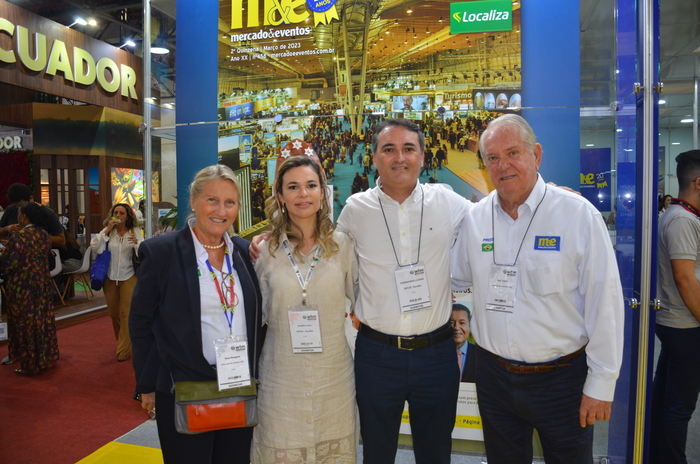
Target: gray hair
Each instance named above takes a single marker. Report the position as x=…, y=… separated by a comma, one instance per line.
x=526, y=133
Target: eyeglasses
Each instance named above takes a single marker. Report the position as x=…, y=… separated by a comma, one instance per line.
x=226, y=289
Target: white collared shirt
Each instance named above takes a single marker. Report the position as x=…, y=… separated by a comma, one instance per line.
x=377, y=303
x=569, y=290
x=214, y=323
x=121, y=265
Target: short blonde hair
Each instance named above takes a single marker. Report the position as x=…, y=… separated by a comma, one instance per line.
x=211, y=173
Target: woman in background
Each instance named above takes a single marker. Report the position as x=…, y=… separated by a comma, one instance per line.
x=123, y=237
x=30, y=314
x=664, y=203
x=306, y=402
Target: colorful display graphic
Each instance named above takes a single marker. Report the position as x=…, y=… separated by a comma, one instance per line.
x=128, y=186
x=409, y=103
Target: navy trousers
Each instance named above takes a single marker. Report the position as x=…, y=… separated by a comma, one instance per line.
x=674, y=393
x=386, y=377
x=512, y=405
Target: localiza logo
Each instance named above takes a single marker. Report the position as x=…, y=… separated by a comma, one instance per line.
x=493, y=15
x=481, y=16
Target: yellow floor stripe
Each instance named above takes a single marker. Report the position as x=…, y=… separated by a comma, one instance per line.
x=119, y=453
x=477, y=178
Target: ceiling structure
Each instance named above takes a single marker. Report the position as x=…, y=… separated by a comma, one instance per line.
x=416, y=43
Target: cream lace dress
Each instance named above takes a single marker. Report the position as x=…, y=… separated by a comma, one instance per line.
x=306, y=402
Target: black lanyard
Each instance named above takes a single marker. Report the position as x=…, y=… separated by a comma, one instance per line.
x=685, y=205
x=420, y=233
x=493, y=234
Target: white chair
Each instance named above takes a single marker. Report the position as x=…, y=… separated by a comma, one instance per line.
x=56, y=271
x=80, y=275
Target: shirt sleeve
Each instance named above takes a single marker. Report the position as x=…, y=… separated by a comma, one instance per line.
x=460, y=269
x=685, y=241
x=599, y=285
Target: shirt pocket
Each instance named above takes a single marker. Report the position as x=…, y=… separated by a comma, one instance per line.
x=544, y=275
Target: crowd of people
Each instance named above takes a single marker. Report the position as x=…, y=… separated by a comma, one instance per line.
x=543, y=342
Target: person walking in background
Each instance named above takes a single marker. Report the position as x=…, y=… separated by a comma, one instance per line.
x=440, y=156
x=30, y=314
x=677, y=380
x=196, y=286
x=306, y=270
x=124, y=238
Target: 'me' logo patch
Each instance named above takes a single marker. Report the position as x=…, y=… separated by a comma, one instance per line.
x=551, y=243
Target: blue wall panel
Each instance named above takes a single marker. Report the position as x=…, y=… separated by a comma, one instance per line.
x=551, y=84
x=197, y=75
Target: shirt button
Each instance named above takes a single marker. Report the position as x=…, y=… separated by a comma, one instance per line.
x=405, y=260
x=403, y=233
x=512, y=346
x=309, y=421
x=401, y=207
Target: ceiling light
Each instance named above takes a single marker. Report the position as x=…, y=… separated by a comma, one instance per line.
x=687, y=120
x=590, y=145
x=409, y=11
x=675, y=143
x=662, y=102
x=440, y=20
x=159, y=47
x=128, y=43
x=619, y=130
x=92, y=22
x=78, y=20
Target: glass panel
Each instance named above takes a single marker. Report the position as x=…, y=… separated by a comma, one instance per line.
x=44, y=175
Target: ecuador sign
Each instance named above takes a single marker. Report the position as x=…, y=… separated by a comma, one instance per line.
x=481, y=16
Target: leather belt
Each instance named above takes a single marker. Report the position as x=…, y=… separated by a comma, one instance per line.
x=533, y=368
x=411, y=342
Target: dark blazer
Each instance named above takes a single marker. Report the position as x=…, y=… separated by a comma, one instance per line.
x=165, y=318
x=469, y=372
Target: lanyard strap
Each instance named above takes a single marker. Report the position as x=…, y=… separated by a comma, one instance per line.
x=230, y=306
x=493, y=234
x=420, y=231
x=685, y=205
x=303, y=283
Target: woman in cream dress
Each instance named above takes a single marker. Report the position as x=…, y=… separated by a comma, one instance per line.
x=306, y=402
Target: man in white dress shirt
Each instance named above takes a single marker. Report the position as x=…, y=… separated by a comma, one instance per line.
x=548, y=312
x=404, y=351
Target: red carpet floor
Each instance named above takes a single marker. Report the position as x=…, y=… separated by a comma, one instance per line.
x=71, y=410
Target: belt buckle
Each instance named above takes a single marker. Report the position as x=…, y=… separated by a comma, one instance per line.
x=404, y=338
x=515, y=368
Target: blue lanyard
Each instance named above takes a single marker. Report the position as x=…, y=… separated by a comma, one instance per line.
x=229, y=309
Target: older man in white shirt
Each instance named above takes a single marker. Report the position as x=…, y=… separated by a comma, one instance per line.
x=548, y=312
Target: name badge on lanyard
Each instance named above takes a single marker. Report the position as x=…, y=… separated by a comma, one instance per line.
x=232, y=366
x=304, y=326
x=412, y=286
x=305, y=329
x=411, y=279
x=503, y=286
